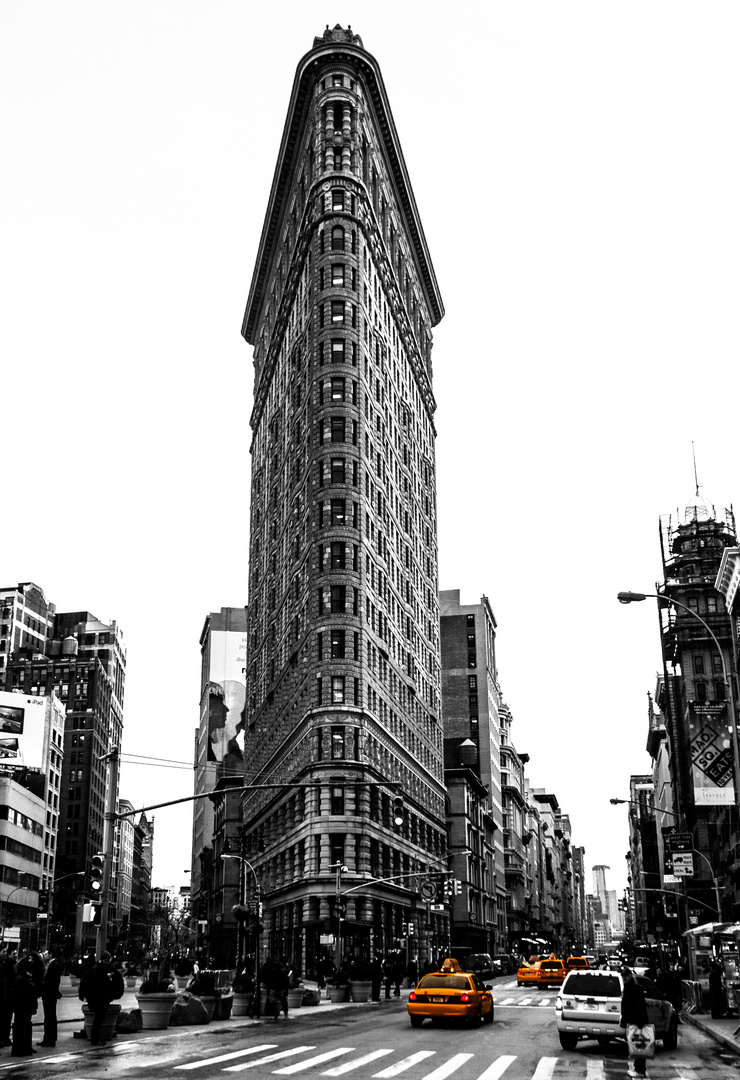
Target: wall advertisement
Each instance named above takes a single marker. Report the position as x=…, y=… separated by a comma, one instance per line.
x=227, y=689
x=22, y=721
x=711, y=754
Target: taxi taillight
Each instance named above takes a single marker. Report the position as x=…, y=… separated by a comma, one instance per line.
x=412, y=996
x=465, y=998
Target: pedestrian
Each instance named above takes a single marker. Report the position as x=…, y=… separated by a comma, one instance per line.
x=397, y=976
x=388, y=976
x=412, y=973
x=25, y=1002
x=376, y=977
x=8, y=959
x=98, y=989
x=634, y=1014
x=275, y=977
x=50, y=994
x=717, y=998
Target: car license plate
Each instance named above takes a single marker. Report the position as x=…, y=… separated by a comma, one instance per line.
x=591, y=1006
x=437, y=999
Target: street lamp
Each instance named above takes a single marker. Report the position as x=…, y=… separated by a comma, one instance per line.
x=636, y=597
x=243, y=861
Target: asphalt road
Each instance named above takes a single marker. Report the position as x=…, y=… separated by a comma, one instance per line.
x=376, y=1041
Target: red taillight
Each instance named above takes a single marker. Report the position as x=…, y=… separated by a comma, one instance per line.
x=465, y=998
x=412, y=996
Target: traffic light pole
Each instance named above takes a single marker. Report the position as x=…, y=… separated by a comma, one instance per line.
x=108, y=841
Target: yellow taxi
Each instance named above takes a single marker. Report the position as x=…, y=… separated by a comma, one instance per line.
x=574, y=962
x=528, y=973
x=450, y=994
x=551, y=973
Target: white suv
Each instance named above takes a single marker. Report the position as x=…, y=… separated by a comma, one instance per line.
x=589, y=1006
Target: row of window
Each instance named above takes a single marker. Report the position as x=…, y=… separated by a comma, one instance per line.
x=338, y=277
x=15, y=817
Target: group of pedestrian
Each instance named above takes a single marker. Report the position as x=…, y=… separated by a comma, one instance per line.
x=23, y=980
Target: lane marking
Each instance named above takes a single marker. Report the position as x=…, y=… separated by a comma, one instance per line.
x=498, y=1067
x=545, y=1069
x=270, y=1057
x=340, y=1070
x=525, y=1001
x=203, y=1062
x=595, y=1069
x=506, y=1001
x=401, y=1066
x=310, y=1062
x=449, y=1067
x=545, y=1001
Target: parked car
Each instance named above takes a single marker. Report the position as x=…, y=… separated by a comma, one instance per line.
x=528, y=973
x=551, y=973
x=481, y=963
x=450, y=995
x=504, y=965
x=589, y=1006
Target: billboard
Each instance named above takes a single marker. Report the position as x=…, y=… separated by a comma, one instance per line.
x=226, y=696
x=22, y=720
x=711, y=754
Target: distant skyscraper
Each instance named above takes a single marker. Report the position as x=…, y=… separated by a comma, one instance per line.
x=343, y=690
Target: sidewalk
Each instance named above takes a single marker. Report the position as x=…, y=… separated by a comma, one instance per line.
x=721, y=1030
x=69, y=1011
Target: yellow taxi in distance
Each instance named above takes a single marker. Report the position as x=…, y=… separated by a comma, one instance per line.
x=450, y=994
x=576, y=962
x=528, y=973
x=551, y=973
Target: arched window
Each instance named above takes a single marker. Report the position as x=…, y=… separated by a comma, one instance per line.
x=337, y=238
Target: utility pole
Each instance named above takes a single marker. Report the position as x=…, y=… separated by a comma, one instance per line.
x=108, y=840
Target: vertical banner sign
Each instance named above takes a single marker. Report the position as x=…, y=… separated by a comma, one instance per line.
x=711, y=754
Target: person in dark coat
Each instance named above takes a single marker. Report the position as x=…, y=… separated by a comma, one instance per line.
x=96, y=988
x=8, y=959
x=50, y=994
x=25, y=1000
x=376, y=977
x=718, y=1000
x=634, y=1011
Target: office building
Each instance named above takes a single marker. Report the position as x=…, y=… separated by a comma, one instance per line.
x=343, y=682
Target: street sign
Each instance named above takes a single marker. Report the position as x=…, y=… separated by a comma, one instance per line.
x=428, y=891
x=683, y=863
x=679, y=842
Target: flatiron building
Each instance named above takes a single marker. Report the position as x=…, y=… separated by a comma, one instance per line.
x=343, y=676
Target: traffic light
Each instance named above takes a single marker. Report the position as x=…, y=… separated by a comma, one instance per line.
x=404, y=929
x=91, y=913
x=97, y=867
x=398, y=816
x=457, y=887
x=448, y=888
x=411, y=929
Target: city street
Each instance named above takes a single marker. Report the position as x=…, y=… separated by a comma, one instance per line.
x=374, y=1041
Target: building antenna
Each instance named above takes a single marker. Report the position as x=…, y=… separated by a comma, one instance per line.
x=696, y=478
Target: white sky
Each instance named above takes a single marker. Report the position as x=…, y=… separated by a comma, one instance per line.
x=577, y=171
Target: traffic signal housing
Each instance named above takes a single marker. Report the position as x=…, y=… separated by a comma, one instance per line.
x=97, y=869
x=398, y=814
x=457, y=887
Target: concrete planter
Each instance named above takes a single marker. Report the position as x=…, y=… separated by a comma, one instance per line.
x=242, y=1004
x=109, y=1024
x=156, y=1009
x=360, y=990
x=338, y=994
x=295, y=997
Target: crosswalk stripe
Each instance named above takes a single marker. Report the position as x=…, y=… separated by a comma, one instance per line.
x=310, y=1062
x=506, y=1001
x=270, y=1057
x=203, y=1062
x=497, y=1068
x=545, y=1001
x=545, y=1069
x=595, y=1069
x=406, y=1063
x=525, y=1001
x=340, y=1070
x=449, y=1067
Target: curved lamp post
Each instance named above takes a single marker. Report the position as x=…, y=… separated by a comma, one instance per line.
x=635, y=597
x=244, y=861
